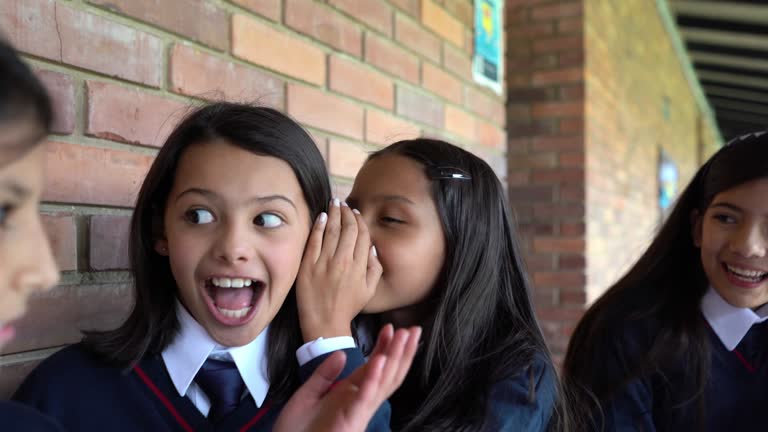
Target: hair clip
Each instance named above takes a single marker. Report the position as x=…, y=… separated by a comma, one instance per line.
x=447, y=173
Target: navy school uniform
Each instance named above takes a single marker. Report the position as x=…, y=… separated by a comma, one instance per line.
x=83, y=394
x=736, y=395
x=15, y=417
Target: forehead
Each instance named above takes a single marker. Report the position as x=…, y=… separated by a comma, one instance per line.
x=25, y=171
x=221, y=166
x=751, y=196
x=17, y=138
x=392, y=174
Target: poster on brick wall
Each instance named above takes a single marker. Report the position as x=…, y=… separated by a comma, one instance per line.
x=488, y=61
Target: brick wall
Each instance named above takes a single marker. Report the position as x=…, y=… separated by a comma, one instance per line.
x=595, y=90
x=357, y=73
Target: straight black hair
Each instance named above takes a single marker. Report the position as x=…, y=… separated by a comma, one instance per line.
x=22, y=98
x=152, y=324
x=662, y=292
x=482, y=328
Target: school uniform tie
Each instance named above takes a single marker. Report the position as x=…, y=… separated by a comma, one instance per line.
x=222, y=383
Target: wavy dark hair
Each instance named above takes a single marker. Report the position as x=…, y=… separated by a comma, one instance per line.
x=481, y=327
x=152, y=324
x=662, y=293
x=22, y=98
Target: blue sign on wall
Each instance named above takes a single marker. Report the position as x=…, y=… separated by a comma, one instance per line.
x=488, y=62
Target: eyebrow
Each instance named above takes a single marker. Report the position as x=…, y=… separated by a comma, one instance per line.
x=16, y=189
x=259, y=199
x=397, y=198
x=728, y=206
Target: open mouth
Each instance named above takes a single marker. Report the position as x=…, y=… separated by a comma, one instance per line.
x=233, y=301
x=745, y=276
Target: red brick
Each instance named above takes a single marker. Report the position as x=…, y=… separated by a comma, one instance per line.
x=558, y=210
x=361, y=82
x=280, y=51
x=539, y=262
x=61, y=89
x=383, y=129
x=199, y=21
x=324, y=24
x=461, y=9
x=460, y=122
x=266, y=8
x=437, y=81
x=574, y=159
x=412, y=35
x=485, y=105
x=559, y=244
x=559, y=76
x=87, y=175
x=420, y=107
x=558, y=109
x=575, y=92
x=325, y=111
x=490, y=135
x=392, y=59
x=530, y=94
x=531, y=31
x=556, y=10
x=571, y=261
x=559, y=279
x=558, y=143
x=575, y=298
x=63, y=237
x=572, y=229
x=83, y=40
x=523, y=128
x=195, y=73
x=570, y=25
x=572, y=126
x=533, y=160
x=457, y=62
x=58, y=316
x=559, y=314
x=557, y=44
x=572, y=193
x=109, y=242
x=341, y=189
x=128, y=115
x=345, y=158
x=558, y=176
x=411, y=7
x=571, y=58
x=497, y=161
x=441, y=22
x=373, y=13
x=529, y=194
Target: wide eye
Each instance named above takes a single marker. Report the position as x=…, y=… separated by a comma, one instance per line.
x=268, y=220
x=198, y=216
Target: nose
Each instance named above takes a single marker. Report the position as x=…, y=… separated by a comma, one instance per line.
x=751, y=241
x=40, y=271
x=235, y=243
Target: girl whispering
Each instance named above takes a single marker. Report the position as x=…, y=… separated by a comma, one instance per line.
x=216, y=240
x=680, y=342
x=447, y=246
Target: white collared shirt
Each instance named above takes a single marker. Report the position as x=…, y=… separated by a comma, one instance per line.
x=729, y=322
x=193, y=345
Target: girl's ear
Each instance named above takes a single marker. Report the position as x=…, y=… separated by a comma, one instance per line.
x=696, y=221
x=161, y=247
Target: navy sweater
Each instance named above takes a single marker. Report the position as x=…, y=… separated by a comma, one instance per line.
x=83, y=394
x=735, y=398
x=15, y=417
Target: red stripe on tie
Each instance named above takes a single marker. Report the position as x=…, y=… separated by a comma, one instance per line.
x=257, y=417
x=168, y=405
x=747, y=364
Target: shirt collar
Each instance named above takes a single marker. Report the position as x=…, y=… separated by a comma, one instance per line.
x=193, y=345
x=730, y=323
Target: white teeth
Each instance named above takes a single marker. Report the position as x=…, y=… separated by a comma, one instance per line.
x=752, y=274
x=231, y=282
x=239, y=313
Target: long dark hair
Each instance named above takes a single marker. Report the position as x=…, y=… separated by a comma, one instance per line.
x=152, y=324
x=22, y=98
x=482, y=327
x=661, y=293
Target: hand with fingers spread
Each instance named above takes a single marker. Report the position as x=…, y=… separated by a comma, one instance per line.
x=321, y=405
x=338, y=274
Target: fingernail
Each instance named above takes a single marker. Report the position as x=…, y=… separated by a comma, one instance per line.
x=355, y=211
x=373, y=249
x=336, y=202
x=344, y=203
x=323, y=217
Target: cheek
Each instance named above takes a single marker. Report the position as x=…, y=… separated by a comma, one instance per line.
x=283, y=258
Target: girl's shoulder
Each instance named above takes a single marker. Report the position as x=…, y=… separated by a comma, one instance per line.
x=17, y=417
